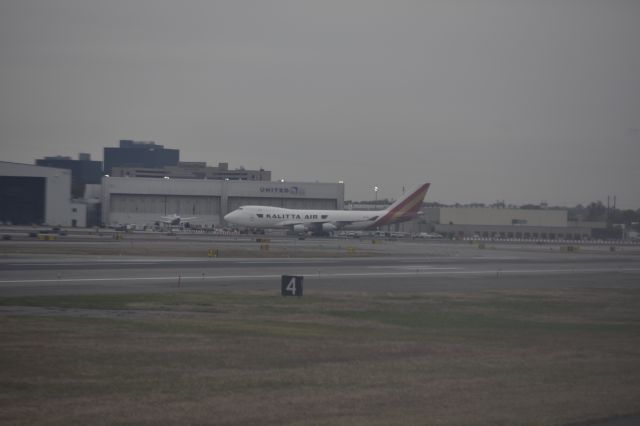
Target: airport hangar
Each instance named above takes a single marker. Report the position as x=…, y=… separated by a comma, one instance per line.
x=36, y=195
x=459, y=222
x=142, y=201
x=31, y=194
x=506, y=222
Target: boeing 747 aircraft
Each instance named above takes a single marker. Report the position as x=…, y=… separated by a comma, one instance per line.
x=323, y=221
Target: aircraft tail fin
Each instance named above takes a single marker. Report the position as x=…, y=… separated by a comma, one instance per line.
x=406, y=208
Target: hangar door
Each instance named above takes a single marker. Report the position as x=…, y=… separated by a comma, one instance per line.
x=22, y=200
x=162, y=205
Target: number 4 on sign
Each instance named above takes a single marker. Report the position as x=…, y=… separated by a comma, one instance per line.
x=291, y=285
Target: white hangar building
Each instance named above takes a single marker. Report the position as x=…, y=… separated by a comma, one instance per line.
x=36, y=195
x=494, y=222
x=143, y=201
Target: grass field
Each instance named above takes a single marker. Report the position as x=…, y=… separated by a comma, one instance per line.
x=486, y=358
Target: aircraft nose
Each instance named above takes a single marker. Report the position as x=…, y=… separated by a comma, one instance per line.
x=229, y=216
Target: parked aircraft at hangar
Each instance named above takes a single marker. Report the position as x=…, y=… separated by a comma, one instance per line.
x=175, y=219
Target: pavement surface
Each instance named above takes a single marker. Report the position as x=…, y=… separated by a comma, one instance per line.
x=351, y=266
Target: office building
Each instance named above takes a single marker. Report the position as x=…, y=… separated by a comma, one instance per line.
x=83, y=171
x=148, y=155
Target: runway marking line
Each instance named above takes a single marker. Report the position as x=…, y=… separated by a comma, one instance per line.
x=322, y=275
x=101, y=263
x=414, y=267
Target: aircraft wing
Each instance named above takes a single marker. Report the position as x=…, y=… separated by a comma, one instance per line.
x=320, y=222
x=285, y=223
x=321, y=225
x=342, y=223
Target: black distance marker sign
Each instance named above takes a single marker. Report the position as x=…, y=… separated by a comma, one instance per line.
x=291, y=285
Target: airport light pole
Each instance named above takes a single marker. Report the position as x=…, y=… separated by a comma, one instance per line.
x=282, y=194
x=375, y=190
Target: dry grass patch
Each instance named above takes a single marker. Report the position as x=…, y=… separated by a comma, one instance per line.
x=483, y=358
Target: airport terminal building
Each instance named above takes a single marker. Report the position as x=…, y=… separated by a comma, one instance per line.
x=143, y=201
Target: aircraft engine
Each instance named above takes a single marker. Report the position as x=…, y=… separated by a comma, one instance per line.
x=299, y=228
x=328, y=227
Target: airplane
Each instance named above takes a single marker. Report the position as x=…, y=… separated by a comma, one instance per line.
x=174, y=219
x=325, y=221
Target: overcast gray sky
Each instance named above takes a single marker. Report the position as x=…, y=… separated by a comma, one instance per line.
x=522, y=101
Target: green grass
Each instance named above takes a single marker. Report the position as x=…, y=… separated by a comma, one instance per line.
x=546, y=357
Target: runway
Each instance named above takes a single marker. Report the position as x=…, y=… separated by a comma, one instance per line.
x=21, y=276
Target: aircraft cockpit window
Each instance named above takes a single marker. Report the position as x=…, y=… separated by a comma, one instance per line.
x=260, y=215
